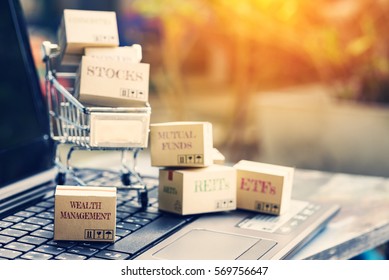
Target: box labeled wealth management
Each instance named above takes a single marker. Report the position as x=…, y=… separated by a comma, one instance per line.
x=85, y=213
x=186, y=144
x=112, y=83
x=264, y=188
x=197, y=190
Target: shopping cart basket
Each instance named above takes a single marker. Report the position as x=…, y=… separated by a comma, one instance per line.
x=91, y=128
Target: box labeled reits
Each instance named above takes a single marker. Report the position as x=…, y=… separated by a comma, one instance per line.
x=186, y=144
x=264, y=188
x=85, y=213
x=197, y=190
x=82, y=28
x=112, y=83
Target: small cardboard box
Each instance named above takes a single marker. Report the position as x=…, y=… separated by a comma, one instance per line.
x=85, y=213
x=197, y=190
x=218, y=157
x=264, y=188
x=129, y=54
x=113, y=83
x=181, y=144
x=82, y=28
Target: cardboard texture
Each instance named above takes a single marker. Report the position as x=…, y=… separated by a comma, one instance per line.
x=112, y=83
x=81, y=28
x=197, y=190
x=85, y=213
x=263, y=188
x=181, y=144
x=129, y=54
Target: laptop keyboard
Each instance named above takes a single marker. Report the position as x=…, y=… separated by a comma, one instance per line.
x=28, y=233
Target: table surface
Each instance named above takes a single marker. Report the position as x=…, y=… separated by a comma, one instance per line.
x=361, y=224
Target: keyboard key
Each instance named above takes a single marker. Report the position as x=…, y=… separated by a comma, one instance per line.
x=36, y=256
x=32, y=240
x=136, y=220
x=80, y=250
x=9, y=254
x=38, y=221
x=35, y=209
x=46, y=215
x=25, y=214
x=13, y=219
x=25, y=226
x=13, y=232
x=145, y=215
x=49, y=227
x=122, y=215
x=122, y=232
x=45, y=204
x=62, y=244
x=6, y=239
x=96, y=245
x=127, y=209
x=69, y=256
x=110, y=255
x=128, y=226
x=43, y=233
x=4, y=224
x=19, y=246
x=49, y=249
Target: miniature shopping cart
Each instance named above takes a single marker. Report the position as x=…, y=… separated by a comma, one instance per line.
x=93, y=128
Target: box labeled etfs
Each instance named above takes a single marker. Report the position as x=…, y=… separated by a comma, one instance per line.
x=264, y=188
x=85, y=213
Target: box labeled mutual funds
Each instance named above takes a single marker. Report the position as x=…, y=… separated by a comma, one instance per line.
x=197, y=190
x=264, y=188
x=85, y=213
x=186, y=144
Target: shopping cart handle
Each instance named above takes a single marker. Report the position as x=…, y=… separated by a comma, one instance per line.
x=48, y=49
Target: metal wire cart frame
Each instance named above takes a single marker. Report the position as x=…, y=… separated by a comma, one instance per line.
x=85, y=128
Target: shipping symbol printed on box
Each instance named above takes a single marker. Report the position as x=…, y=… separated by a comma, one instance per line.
x=197, y=190
x=181, y=144
x=85, y=213
x=264, y=188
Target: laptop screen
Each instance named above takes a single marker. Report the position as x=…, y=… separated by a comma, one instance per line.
x=25, y=145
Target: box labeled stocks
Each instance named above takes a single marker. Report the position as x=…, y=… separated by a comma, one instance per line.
x=197, y=190
x=264, y=188
x=85, y=213
x=104, y=82
x=186, y=144
x=81, y=28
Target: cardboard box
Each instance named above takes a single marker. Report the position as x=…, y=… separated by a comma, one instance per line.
x=197, y=190
x=129, y=54
x=185, y=144
x=81, y=28
x=218, y=157
x=264, y=188
x=112, y=83
x=85, y=213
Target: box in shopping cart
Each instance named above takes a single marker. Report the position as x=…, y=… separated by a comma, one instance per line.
x=187, y=144
x=112, y=83
x=130, y=54
x=85, y=213
x=82, y=28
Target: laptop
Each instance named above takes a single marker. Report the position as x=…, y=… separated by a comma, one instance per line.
x=27, y=186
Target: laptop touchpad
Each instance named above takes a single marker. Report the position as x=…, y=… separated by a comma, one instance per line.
x=200, y=244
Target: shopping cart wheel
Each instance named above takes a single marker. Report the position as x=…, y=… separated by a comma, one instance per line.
x=126, y=179
x=143, y=198
x=60, y=179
